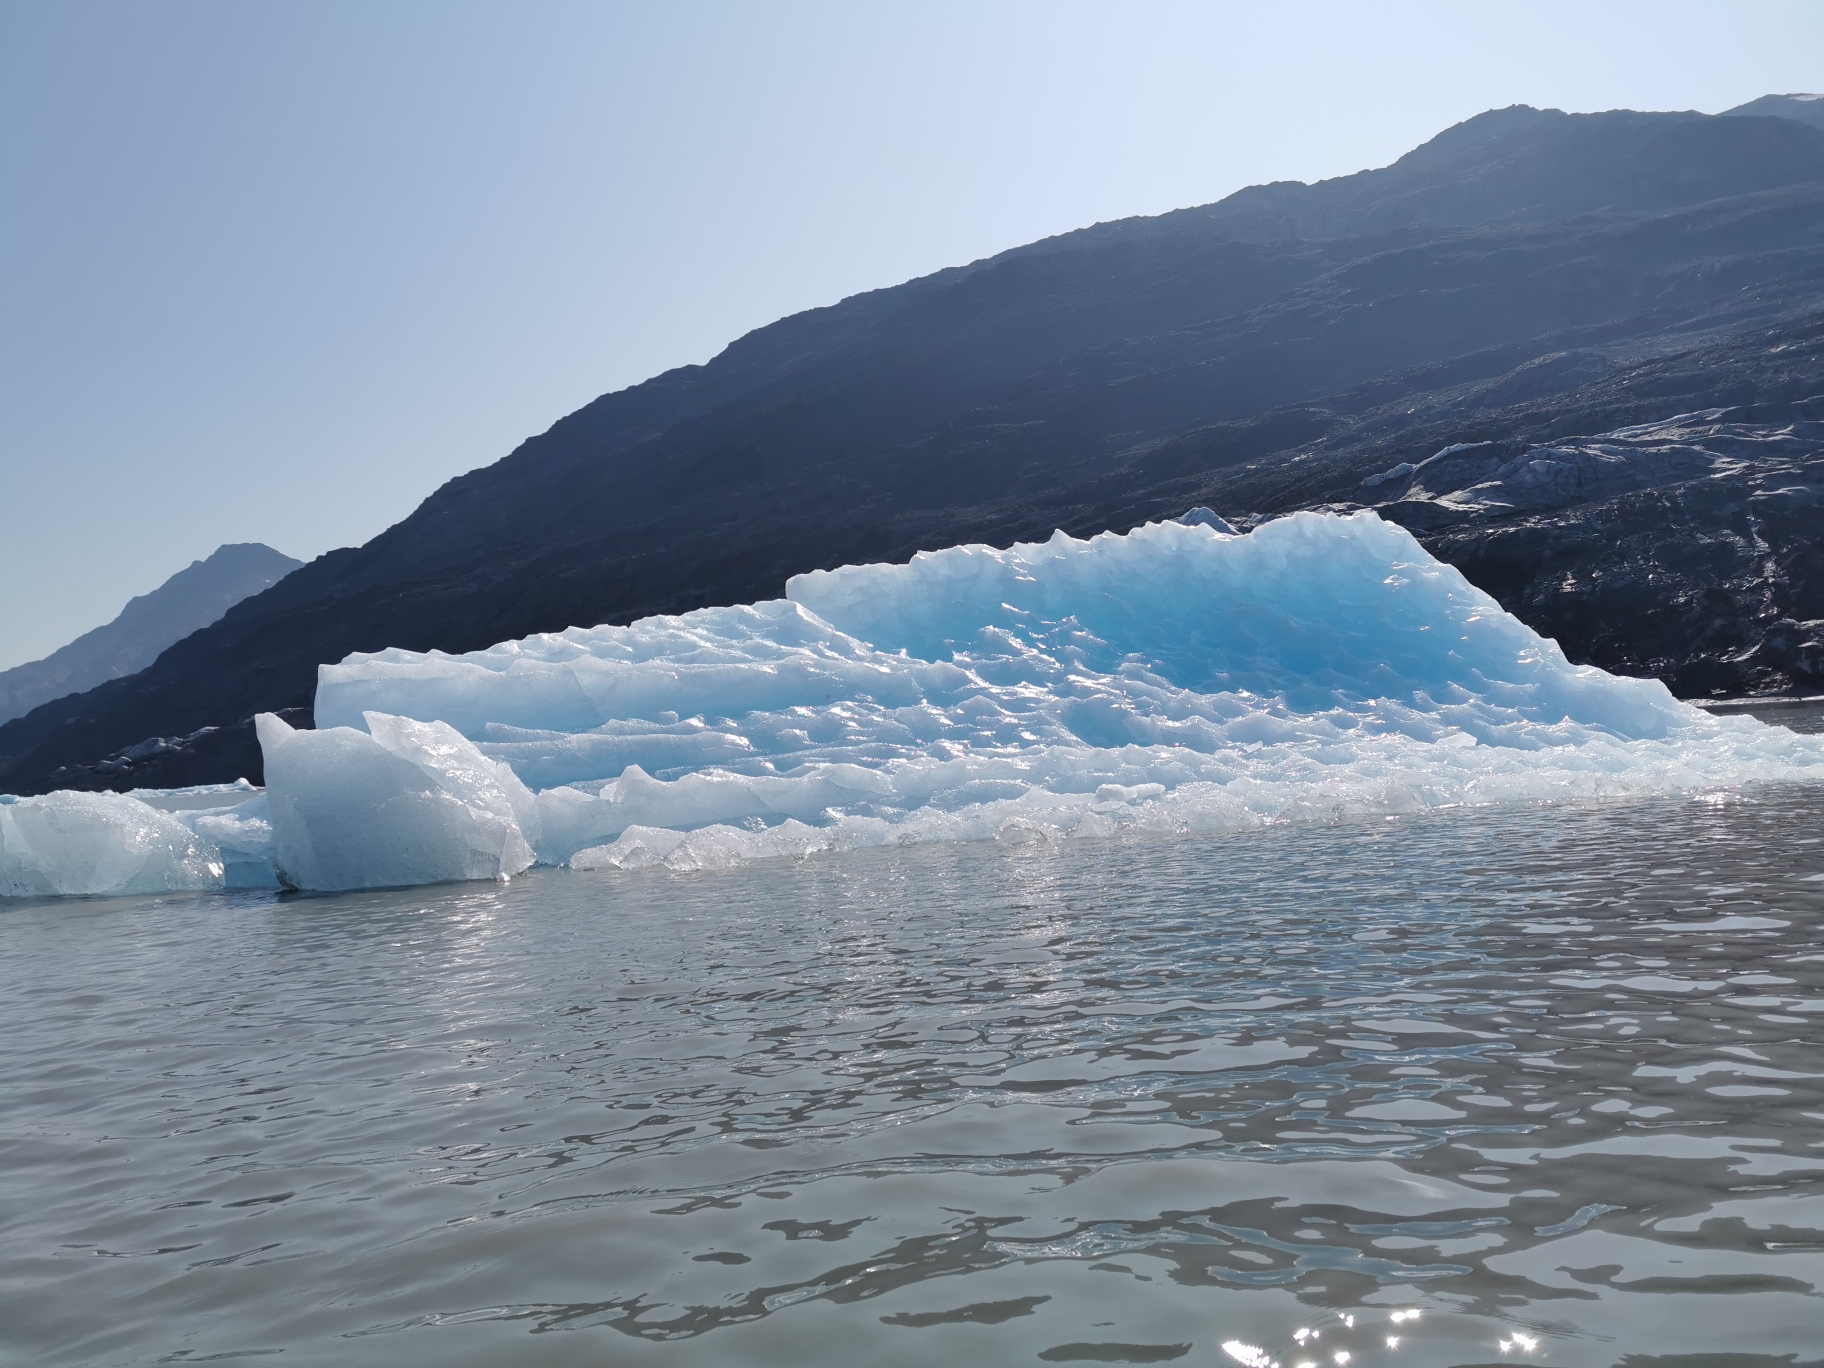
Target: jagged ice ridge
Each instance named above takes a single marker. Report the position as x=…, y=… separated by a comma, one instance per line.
x=1175, y=679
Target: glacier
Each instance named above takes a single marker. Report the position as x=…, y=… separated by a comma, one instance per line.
x=1178, y=679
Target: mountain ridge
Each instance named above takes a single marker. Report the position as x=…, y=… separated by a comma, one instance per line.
x=1807, y=109
x=189, y=600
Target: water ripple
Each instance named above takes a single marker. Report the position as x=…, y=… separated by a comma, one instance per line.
x=1512, y=1085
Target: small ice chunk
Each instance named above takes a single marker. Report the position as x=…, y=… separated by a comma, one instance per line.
x=243, y=835
x=1128, y=793
x=99, y=843
x=404, y=803
x=638, y=847
x=1208, y=517
x=710, y=847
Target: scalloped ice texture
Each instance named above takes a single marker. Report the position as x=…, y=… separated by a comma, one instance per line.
x=1175, y=679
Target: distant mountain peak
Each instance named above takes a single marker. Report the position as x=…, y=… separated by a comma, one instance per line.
x=1806, y=109
x=190, y=600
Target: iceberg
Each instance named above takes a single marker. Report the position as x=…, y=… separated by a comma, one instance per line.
x=147, y=841
x=99, y=843
x=397, y=802
x=1179, y=678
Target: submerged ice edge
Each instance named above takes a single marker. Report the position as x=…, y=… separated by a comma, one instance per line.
x=1173, y=679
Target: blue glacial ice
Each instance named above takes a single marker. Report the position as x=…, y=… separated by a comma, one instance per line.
x=1178, y=679
x=145, y=842
x=402, y=802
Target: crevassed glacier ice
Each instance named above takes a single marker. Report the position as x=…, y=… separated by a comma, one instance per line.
x=1177, y=678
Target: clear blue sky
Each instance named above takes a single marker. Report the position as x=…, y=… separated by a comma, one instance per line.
x=273, y=272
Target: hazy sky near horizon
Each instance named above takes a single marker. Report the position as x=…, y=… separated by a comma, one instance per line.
x=274, y=272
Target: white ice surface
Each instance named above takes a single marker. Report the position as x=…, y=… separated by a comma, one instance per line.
x=1172, y=679
x=1176, y=679
x=147, y=841
x=69, y=843
x=403, y=802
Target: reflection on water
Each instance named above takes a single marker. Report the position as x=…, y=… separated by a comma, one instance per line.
x=1533, y=1085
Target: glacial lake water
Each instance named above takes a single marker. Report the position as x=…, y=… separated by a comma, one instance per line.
x=1548, y=1076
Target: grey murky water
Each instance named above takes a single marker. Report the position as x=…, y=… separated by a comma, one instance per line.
x=1550, y=1077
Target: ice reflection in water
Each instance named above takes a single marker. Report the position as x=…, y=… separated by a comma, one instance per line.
x=1525, y=1086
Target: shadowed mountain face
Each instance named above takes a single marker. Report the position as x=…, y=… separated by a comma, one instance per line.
x=1267, y=352
x=191, y=599
x=1691, y=547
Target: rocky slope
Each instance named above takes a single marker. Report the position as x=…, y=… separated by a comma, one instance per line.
x=1647, y=533
x=1522, y=278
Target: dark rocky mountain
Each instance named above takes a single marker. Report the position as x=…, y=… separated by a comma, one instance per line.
x=1524, y=278
x=1688, y=547
x=190, y=600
